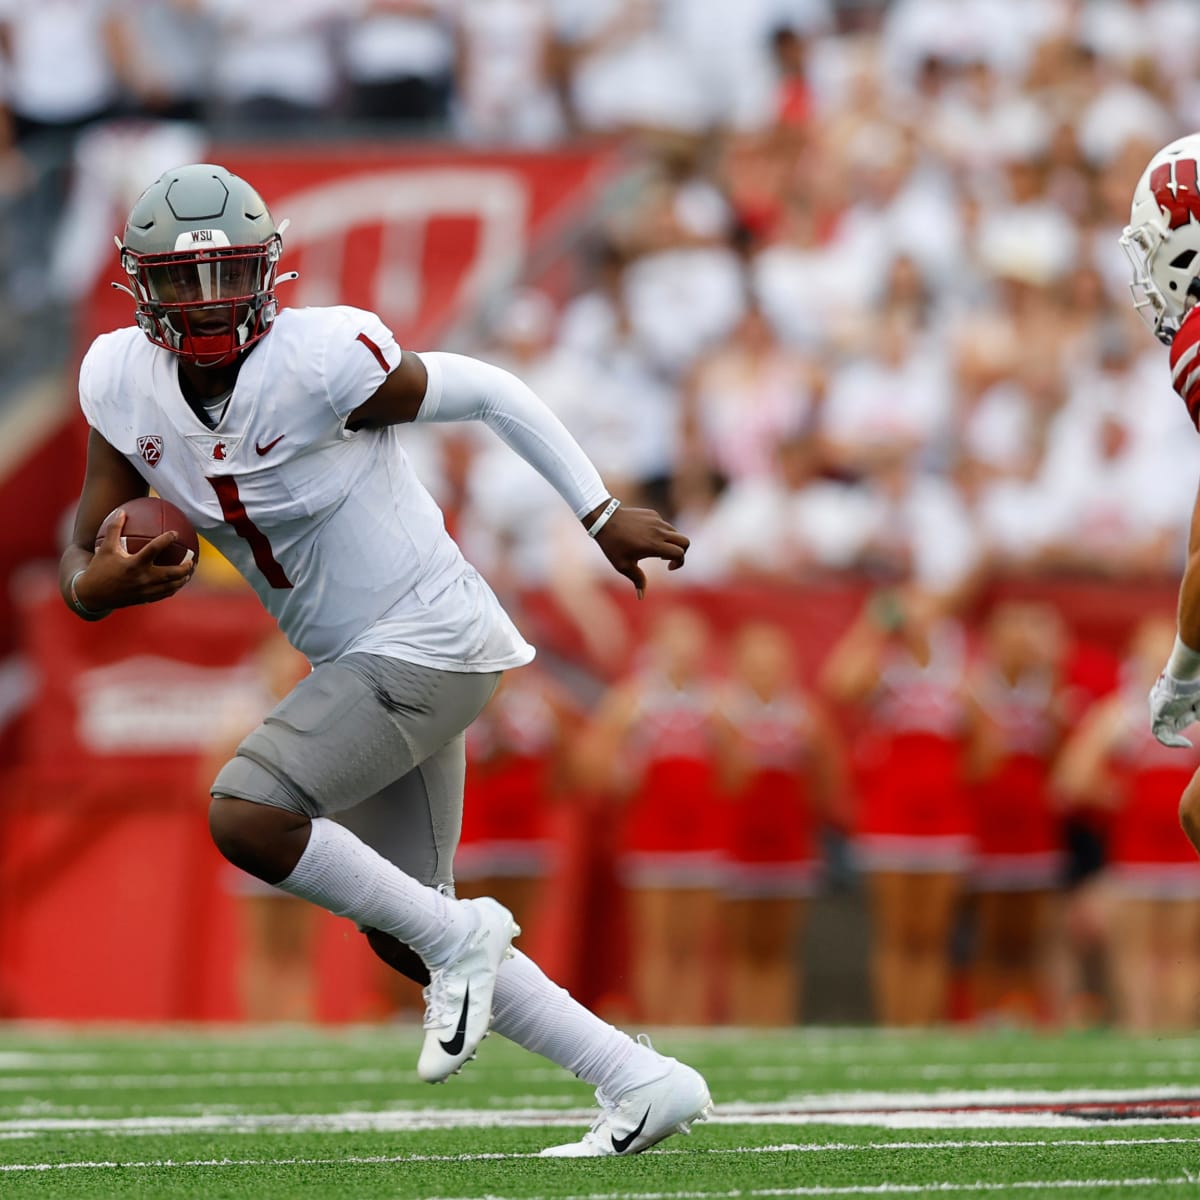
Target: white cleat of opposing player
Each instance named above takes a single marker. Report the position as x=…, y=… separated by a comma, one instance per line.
x=458, y=1000
x=643, y=1116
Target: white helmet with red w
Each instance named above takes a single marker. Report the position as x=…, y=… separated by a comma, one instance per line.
x=1162, y=239
x=201, y=253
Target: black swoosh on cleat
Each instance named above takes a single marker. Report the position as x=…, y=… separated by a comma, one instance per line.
x=456, y=1043
x=620, y=1145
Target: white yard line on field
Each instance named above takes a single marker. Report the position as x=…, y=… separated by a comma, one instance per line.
x=251, y=1077
x=991, y=1108
x=71, y=1079
x=413, y=1123
x=963, y=1098
x=877, y=1189
x=36, y=1060
x=785, y=1148
x=1024, y=1070
x=246, y=1078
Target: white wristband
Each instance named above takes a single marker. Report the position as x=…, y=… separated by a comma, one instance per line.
x=1184, y=663
x=610, y=508
x=80, y=608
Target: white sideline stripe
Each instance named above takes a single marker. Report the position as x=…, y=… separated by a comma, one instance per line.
x=1180, y=1073
x=785, y=1148
x=35, y=1060
x=981, y=1119
x=417, y=1121
x=29, y=1083
x=165, y=1081
x=878, y=1189
x=291, y=1077
x=958, y=1097
x=1021, y=1070
x=801, y=1109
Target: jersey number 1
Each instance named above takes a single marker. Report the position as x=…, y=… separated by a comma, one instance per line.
x=234, y=512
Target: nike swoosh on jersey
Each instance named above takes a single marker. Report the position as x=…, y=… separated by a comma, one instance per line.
x=269, y=446
x=620, y=1145
x=455, y=1044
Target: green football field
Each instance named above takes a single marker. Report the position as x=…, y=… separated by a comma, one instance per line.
x=340, y=1113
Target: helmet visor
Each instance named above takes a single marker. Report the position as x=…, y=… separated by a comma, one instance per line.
x=209, y=280
x=205, y=305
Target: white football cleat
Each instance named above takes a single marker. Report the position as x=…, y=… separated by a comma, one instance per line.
x=643, y=1116
x=458, y=1000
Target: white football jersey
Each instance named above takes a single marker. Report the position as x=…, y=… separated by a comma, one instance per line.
x=332, y=528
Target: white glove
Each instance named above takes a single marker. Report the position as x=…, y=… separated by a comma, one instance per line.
x=1174, y=705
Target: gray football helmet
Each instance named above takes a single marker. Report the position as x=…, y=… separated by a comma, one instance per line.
x=201, y=251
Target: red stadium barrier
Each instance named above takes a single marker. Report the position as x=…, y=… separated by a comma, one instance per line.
x=111, y=900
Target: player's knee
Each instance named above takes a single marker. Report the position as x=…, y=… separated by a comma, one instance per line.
x=1189, y=811
x=265, y=841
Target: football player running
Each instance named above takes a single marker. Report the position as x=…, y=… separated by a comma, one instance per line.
x=1162, y=241
x=275, y=431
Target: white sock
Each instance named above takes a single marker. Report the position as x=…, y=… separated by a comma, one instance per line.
x=343, y=874
x=531, y=1010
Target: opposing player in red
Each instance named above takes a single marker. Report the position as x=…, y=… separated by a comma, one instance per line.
x=1162, y=241
x=277, y=432
x=784, y=779
x=1016, y=719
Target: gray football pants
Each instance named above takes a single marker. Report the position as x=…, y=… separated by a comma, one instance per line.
x=379, y=743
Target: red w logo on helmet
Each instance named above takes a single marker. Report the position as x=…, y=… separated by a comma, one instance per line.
x=1181, y=197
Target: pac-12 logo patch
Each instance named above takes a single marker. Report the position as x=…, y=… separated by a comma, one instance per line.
x=151, y=449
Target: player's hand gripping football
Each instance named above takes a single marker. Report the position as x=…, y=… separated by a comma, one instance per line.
x=632, y=534
x=1174, y=705
x=117, y=579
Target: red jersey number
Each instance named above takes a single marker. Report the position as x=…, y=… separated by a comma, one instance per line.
x=234, y=512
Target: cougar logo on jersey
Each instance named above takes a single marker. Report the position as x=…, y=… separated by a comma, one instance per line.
x=150, y=448
x=213, y=448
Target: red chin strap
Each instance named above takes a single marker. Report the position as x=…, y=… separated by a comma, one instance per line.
x=171, y=326
x=220, y=349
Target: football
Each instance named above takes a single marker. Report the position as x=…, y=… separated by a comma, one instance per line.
x=145, y=519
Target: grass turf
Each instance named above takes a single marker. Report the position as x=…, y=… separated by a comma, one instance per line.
x=340, y=1113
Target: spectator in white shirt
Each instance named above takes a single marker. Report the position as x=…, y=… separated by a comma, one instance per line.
x=919, y=529
x=274, y=63
x=506, y=88
x=744, y=396
x=1116, y=498
x=788, y=523
x=896, y=394
x=399, y=59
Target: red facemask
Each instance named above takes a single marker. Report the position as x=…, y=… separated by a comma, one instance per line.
x=207, y=306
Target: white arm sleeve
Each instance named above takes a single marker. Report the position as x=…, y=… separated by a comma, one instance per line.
x=465, y=389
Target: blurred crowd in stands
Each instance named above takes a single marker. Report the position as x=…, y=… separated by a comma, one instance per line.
x=859, y=309
x=863, y=310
